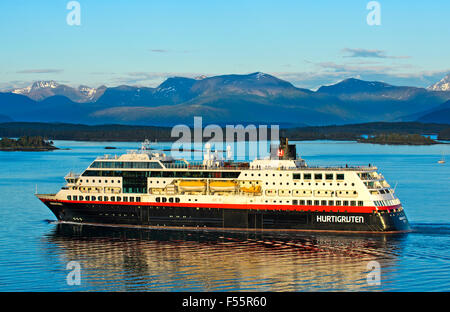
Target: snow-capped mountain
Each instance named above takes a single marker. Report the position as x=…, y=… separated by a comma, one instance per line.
x=45, y=84
x=87, y=91
x=251, y=97
x=40, y=90
x=36, y=86
x=442, y=85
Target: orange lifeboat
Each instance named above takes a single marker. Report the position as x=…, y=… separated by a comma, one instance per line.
x=251, y=189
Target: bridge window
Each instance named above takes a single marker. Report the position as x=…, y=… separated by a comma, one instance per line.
x=318, y=176
x=340, y=176
x=307, y=176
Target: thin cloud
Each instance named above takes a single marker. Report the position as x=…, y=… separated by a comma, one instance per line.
x=159, y=51
x=168, y=51
x=370, y=53
x=40, y=71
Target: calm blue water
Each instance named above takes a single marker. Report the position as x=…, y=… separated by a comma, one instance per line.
x=34, y=252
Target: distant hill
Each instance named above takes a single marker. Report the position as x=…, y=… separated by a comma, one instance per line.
x=221, y=99
x=353, y=86
x=386, y=102
x=4, y=118
x=440, y=114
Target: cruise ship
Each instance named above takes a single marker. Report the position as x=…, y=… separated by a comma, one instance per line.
x=147, y=188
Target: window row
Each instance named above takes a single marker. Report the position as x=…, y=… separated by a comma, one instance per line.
x=319, y=176
x=385, y=202
x=165, y=200
x=99, y=181
x=104, y=198
x=328, y=202
x=162, y=174
x=125, y=164
x=307, y=193
x=309, y=183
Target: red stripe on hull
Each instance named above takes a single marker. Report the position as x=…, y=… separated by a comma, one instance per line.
x=343, y=209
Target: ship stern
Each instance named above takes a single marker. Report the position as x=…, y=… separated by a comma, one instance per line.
x=394, y=220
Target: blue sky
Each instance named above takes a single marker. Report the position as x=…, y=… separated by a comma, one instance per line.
x=309, y=43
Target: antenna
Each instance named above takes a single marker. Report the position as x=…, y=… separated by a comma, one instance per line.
x=229, y=152
x=395, y=186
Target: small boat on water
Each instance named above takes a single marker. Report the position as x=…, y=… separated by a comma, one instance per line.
x=442, y=160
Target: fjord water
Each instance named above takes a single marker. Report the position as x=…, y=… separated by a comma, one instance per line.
x=34, y=250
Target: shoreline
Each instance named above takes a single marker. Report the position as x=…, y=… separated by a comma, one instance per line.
x=29, y=149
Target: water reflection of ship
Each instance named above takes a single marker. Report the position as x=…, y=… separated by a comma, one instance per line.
x=130, y=259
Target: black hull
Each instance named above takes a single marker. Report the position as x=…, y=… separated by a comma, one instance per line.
x=218, y=218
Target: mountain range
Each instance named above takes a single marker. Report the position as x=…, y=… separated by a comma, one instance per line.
x=41, y=90
x=252, y=98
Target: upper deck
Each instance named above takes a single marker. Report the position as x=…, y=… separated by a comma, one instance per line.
x=146, y=158
x=108, y=162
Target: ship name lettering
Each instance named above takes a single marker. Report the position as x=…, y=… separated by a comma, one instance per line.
x=340, y=219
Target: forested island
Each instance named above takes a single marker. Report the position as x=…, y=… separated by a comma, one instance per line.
x=26, y=143
x=130, y=133
x=399, y=139
x=444, y=134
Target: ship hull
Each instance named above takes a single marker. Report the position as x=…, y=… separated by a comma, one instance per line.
x=179, y=216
